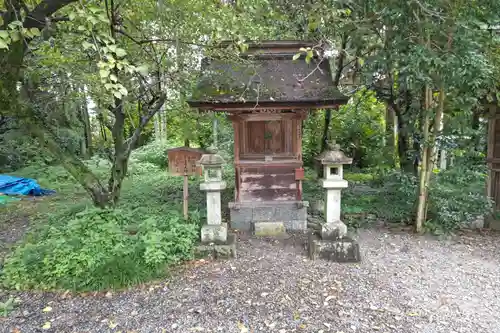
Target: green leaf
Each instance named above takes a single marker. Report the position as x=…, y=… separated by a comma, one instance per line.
x=109, y=86
x=35, y=32
x=120, y=52
x=4, y=34
x=72, y=16
x=15, y=35
x=361, y=61
x=143, y=69
x=86, y=45
x=117, y=94
x=113, y=78
x=15, y=24
x=104, y=73
x=123, y=90
x=296, y=56
x=3, y=45
x=303, y=49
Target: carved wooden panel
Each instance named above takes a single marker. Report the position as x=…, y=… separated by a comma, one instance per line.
x=273, y=137
x=256, y=137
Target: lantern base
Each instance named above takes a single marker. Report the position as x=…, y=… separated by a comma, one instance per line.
x=218, y=250
x=341, y=250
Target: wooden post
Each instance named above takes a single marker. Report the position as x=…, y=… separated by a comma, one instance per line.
x=185, y=193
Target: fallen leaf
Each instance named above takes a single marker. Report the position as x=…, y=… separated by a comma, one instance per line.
x=242, y=327
x=412, y=314
x=46, y=326
x=112, y=324
x=47, y=309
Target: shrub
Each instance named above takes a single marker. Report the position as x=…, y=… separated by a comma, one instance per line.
x=154, y=153
x=100, y=249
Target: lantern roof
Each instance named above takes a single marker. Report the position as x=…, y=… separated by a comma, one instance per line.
x=333, y=155
x=211, y=160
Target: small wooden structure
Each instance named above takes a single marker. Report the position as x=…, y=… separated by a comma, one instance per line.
x=182, y=161
x=267, y=95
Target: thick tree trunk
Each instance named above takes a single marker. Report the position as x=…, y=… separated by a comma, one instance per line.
x=74, y=166
x=422, y=189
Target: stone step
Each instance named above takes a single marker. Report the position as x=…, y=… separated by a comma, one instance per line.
x=271, y=229
x=293, y=214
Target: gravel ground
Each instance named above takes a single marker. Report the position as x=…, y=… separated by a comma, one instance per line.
x=404, y=284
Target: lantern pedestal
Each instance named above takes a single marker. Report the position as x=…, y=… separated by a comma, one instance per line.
x=331, y=241
x=215, y=240
x=343, y=249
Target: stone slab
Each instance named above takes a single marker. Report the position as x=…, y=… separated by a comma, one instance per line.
x=342, y=250
x=218, y=250
x=292, y=213
x=300, y=225
x=214, y=233
x=269, y=229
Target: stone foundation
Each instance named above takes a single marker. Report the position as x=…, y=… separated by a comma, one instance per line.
x=344, y=249
x=218, y=250
x=292, y=214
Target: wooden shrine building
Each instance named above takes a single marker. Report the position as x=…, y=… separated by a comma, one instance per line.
x=267, y=95
x=493, y=159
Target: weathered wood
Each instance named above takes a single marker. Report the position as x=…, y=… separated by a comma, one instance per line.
x=184, y=159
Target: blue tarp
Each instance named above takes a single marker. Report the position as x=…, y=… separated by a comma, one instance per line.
x=21, y=186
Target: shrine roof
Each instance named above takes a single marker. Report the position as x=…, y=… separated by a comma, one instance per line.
x=266, y=75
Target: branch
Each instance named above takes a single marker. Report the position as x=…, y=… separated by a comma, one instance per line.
x=155, y=106
x=154, y=40
x=37, y=17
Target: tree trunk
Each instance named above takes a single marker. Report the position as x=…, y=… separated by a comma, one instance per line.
x=429, y=155
x=336, y=81
x=87, y=130
x=405, y=161
x=326, y=129
x=74, y=166
x=390, y=137
x=424, y=165
x=215, y=131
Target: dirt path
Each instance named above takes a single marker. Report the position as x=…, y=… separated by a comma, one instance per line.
x=404, y=284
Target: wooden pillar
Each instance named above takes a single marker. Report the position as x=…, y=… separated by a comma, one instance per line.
x=237, y=179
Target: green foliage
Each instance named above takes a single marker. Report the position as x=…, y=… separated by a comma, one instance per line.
x=99, y=249
x=154, y=153
x=359, y=128
x=8, y=306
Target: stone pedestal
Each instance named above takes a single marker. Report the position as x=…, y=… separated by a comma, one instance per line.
x=331, y=241
x=215, y=240
x=343, y=249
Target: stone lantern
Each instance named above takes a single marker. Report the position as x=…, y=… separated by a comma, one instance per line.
x=214, y=230
x=333, y=243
